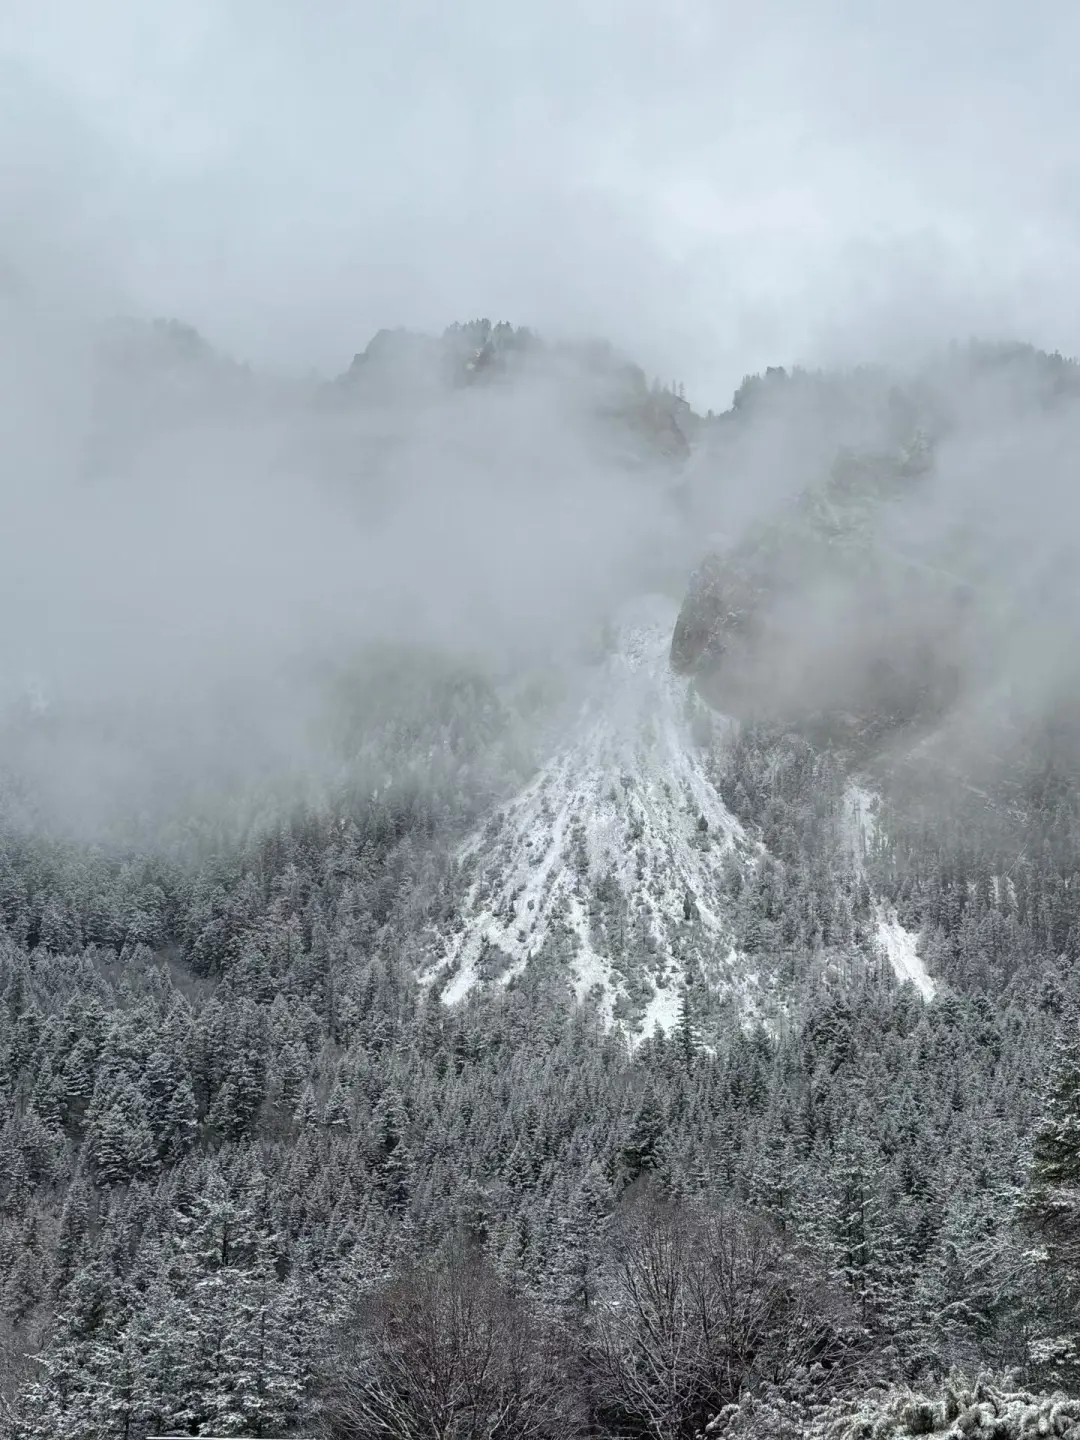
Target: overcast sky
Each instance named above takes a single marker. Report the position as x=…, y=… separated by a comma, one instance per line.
x=714, y=186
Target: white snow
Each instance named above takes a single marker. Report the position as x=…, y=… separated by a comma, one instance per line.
x=618, y=809
x=662, y=1011
x=860, y=817
x=899, y=945
x=610, y=865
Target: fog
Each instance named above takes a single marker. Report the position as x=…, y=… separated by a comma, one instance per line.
x=713, y=187
x=193, y=537
x=895, y=561
x=194, y=555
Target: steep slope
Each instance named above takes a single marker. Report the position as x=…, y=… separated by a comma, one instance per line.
x=609, y=865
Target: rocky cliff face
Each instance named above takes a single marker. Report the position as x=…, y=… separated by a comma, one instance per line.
x=814, y=621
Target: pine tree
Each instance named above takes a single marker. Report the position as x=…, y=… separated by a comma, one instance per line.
x=336, y=1110
x=390, y=1155
x=1053, y=1198
x=226, y=1345
x=972, y=1295
x=641, y=1150
x=72, y=1238
x=121, y=1142
x=685, y=1037
x=579, y=1249
x=1051, y=1206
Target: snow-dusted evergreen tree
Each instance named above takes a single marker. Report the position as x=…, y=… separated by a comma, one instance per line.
x=1051, y=1205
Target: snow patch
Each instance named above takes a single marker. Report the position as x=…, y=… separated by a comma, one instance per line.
x=860, y=823
x=900, y=945
x=662, y=1011
x=610, y=863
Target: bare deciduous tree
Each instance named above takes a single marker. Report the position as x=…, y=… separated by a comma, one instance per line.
x=448, y=1352
x=702, y=1304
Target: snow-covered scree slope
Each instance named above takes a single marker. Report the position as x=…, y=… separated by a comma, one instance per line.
x=899, y=944
x=609, y=864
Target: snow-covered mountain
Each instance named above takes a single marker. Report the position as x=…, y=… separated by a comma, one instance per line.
x=610, y=864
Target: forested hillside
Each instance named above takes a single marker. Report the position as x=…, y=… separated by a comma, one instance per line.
x=503, y=1032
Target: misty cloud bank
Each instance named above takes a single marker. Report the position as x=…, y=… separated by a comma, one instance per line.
x=714, y=187
x=192, y=555
x=189, y=547
x=896, y=556
x=218, y=582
